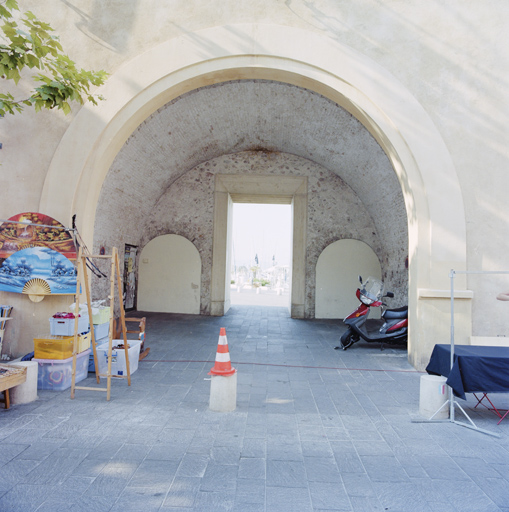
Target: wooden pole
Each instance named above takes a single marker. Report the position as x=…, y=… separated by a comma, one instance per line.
x=89, y=307
x=112, y=309
x=122, y=318
x=76, y=320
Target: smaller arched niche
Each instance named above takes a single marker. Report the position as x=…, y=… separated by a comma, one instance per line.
x=169, y=276
x=337, y=271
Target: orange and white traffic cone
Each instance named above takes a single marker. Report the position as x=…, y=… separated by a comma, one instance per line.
x=222, y=365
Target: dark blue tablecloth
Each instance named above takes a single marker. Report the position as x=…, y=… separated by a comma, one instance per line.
x=475, y=369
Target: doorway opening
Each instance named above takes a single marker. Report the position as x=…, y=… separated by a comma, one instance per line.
x=261, y=258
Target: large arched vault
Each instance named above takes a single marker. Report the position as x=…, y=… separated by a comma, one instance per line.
x=266, y=59
x=267, y=129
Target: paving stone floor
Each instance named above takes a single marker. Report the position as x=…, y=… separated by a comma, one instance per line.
x=315, y=429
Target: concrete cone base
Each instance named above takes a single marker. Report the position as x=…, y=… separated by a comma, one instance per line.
x=223, y=393
x=433, y=394
x=26, y=392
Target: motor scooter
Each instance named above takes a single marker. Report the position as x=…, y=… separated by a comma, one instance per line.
x=394, y=328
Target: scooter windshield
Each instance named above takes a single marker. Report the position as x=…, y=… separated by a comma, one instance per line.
x=373, y=289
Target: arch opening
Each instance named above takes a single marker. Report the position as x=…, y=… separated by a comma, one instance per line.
x=260, y=273
x=169, y=276
x=337, y=271
x=430, y=188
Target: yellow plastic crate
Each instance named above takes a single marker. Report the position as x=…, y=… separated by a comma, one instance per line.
x=59, y=347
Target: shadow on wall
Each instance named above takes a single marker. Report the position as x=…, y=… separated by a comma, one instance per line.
x=460, y=61
x=105, y=29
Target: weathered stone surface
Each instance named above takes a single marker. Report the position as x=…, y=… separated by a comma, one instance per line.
x=162, y=181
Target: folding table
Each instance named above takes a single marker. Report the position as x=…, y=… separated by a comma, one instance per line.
x=476, y=369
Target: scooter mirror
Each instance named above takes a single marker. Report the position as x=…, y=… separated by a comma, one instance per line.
x=390, y=295
x=360, y=279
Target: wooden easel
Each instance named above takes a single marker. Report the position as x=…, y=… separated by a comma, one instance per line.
x=82, y=278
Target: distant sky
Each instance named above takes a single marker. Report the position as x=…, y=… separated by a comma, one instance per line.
x=263, y=229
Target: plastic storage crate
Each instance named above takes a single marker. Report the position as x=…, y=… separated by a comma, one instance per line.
x=65, y=326
x=59, y=347
x=91, y=364
x=102, y=316
x=101, y=330
x=118, y=363
x=56, y=374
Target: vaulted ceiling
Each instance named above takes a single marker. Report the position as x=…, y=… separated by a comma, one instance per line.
x=242, y=115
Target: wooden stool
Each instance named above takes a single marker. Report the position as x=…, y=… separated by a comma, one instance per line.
x=6, y=400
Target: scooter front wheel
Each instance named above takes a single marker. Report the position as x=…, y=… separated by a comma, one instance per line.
x=347, y=339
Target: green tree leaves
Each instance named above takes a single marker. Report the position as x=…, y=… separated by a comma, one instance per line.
x=30, y=43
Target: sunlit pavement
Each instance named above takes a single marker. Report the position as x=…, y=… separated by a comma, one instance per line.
x=314, y=429
x=259, y=297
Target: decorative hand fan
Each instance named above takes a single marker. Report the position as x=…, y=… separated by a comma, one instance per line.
x=36, y=289
x=38, y=271
x=29, y=229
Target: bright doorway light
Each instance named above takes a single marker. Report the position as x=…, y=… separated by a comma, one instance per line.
x=261, y=254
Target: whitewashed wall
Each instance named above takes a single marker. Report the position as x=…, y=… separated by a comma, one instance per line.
x=337, y=271
x=169, y=276
x=451, y=56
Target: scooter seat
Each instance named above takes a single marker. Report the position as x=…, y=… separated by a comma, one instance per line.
x=393, y=314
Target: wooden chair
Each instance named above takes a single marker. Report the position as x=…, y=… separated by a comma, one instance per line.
x=140, y=331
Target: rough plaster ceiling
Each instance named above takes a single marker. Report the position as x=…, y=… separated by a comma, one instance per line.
x=251, y=115
x=240, y=125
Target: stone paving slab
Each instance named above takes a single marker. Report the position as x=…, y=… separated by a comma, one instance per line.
x=315, y=429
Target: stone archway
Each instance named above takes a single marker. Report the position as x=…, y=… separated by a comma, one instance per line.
x=294, y=56
x=266, y=188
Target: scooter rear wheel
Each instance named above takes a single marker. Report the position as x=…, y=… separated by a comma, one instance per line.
x=347, y=339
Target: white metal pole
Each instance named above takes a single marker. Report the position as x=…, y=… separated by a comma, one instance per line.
x=451, y=396
x=451, y=400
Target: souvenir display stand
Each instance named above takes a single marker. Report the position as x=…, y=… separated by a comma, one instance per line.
x=82, y=280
